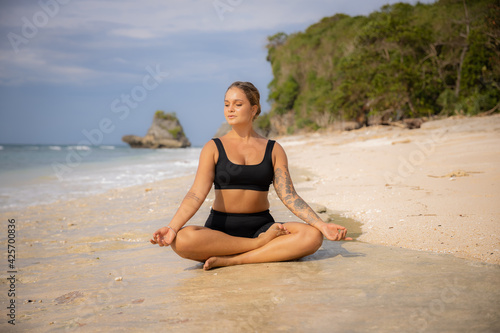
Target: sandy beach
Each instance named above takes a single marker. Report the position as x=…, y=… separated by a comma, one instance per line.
x=426, y=256
x=436, y=188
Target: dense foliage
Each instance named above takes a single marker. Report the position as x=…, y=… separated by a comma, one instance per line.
x=402, y=61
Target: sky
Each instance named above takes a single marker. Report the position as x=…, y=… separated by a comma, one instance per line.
x=95, y=70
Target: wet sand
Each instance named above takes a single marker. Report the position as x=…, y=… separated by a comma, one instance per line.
x=343, y=287
x=86, y=265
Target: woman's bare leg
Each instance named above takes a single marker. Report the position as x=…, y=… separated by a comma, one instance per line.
x=200, y=243
x=303, y=240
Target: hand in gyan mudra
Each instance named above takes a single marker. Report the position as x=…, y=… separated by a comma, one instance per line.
x=334, y=232
x=163, y=236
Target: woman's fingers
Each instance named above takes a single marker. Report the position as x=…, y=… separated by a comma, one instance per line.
x=163, y=239
x=159, y=240
x=342, y=234
x=337, y=232
x=154, y=239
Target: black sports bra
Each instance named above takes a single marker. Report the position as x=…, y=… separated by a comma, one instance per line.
x=257, y=177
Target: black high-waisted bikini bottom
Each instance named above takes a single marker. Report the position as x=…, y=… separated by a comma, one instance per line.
x=241, y=225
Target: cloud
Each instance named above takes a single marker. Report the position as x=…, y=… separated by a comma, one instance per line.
x=159, y=18
x=56, y=67
x=80, y=42
x=134, y=33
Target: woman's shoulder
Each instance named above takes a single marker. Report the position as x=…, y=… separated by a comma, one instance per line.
x=209, y=148
x=277, y=144
x=210, y=144
x=209, y=152
x=278, y=150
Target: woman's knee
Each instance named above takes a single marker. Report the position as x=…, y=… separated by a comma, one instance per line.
x=184, y=241
x=313, y=238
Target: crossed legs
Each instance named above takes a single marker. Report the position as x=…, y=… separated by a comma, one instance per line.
x=279, y=243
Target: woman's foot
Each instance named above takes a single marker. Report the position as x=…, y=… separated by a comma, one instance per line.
x=276, y=230
x=219, y=262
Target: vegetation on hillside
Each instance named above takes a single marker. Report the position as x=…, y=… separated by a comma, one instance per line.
x=176, y=132
x=167, y=116
x=403, y=61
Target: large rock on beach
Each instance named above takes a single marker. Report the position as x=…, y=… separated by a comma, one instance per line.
x=165, y=132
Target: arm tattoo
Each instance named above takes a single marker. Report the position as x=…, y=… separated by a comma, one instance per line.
x=286, y=192
x=192, y=195
x=299, y=204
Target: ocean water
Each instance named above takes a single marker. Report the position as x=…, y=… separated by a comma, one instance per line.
x=40, y=174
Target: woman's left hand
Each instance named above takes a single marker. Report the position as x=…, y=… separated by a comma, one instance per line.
x=334, y=232
x=163, y=236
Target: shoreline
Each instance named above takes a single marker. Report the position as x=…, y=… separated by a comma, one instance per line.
x=42, y=176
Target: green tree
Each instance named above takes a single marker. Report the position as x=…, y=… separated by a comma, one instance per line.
x=401, y=61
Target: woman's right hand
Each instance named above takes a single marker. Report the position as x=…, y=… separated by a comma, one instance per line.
x=163, y=236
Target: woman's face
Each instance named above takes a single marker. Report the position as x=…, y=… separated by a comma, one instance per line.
x=237, y=108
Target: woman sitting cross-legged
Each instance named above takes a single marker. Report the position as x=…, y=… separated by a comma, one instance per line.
x=240, y=230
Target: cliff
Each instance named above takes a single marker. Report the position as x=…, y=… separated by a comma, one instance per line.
x=165, y=132
x=401, y=62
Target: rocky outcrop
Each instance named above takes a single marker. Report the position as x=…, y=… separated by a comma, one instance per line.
x=165, y=132
x=223, y=129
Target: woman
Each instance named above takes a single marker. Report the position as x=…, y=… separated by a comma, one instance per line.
x=242, y=165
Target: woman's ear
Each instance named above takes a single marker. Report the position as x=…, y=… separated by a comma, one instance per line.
x=255, y=108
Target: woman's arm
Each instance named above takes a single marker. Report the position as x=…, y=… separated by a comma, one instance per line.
x=193, y=199
x=286, y=192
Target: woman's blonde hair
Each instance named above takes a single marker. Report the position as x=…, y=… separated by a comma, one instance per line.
x=251, y=92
